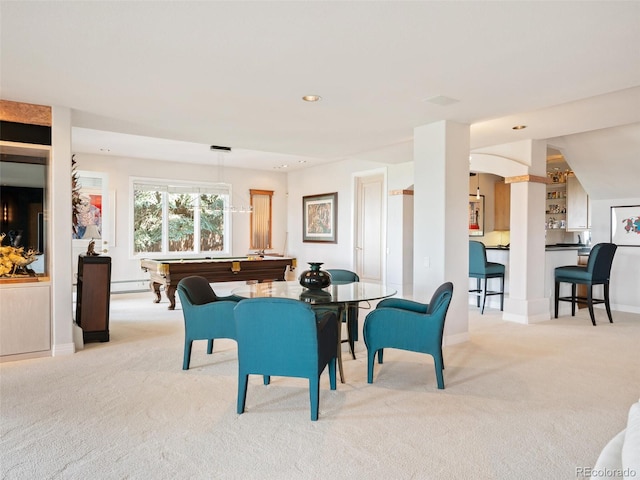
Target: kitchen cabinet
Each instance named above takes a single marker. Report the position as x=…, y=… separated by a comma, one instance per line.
x=578, y=215
x=502, y=206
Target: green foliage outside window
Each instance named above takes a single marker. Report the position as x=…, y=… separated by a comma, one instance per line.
x=190, y=218
x=147, y=221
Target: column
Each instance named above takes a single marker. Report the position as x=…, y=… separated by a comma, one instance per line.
x=441, y=172
x=526, y=302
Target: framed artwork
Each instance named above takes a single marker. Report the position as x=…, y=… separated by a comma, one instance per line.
x=90, y=209
x=476, y=216
x=625, y=226
x=319, y=218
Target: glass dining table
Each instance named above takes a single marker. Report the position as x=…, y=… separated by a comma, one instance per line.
x=339, y=294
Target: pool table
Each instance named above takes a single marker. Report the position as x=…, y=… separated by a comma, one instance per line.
x=168, y=273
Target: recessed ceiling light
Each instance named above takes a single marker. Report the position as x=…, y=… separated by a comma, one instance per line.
x=311, y=98
x=519, y=127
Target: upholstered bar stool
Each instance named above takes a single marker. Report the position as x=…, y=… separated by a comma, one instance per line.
x=480, y=268
x=596, y=272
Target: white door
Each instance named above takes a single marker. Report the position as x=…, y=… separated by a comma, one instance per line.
x=370, y=228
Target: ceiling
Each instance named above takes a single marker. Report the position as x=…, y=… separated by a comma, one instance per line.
x=185, y=75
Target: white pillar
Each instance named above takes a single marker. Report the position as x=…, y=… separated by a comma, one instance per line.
x=526, y=302
x=441, y=172
x=60, y=234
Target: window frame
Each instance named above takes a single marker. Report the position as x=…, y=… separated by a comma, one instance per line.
x=167, y=186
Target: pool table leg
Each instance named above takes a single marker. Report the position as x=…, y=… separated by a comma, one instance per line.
x=171, y=295
x=155, y=288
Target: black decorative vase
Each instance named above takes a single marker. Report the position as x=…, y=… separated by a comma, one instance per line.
x=314, y=278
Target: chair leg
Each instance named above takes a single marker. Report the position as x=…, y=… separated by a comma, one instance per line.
x=590, y=304
x=573, y=299
x=266, y=379
x=314, y=396
x=606, y=302
x=502, y=293
x=187, y=355
x=439, y=368
x=242, y=392
x=478, y=285
x=380, y=353
x=484, y=296
x=210, y=346
x=557, y=292
x=371, y=356
x=332, y=373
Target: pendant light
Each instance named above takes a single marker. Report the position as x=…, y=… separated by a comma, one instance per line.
x=478, y=189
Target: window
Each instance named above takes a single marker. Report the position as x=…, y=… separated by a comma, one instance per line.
x=171, y=218
x=261, y=219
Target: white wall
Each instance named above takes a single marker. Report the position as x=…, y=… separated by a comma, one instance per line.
x=125, y=267
x=625, y=271
x=328, y=178
x=400, y=217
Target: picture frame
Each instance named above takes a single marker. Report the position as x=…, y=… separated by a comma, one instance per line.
x=94, y=222
x=476, y=216
x=625, y=225
x=319, y=218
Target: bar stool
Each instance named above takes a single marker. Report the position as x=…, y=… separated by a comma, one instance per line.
x=480, y=268
x=596, y=272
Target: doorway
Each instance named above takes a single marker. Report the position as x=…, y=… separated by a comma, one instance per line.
x=370, y=214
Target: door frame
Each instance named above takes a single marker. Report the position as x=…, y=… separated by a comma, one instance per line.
x=356, y=179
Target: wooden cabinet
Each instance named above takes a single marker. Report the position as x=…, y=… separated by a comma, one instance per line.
x=577, y=206
x=502, y=206
x=25, y=320
x=94, y=290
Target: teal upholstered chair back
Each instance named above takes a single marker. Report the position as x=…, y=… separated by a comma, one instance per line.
x=279, y=337
x=600, y=261
x=477, y=258
x=196, y=290
x=343, y=276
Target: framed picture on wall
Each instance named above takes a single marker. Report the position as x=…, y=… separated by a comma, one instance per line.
x=476, y=216
x=319, y=218
x=625, y=225
x=91, y=216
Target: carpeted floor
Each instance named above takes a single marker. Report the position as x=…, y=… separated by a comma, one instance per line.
x=521, y=402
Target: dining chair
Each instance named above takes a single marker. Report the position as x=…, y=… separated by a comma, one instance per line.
x=408, y=325
x=284, y=337
x=350, y=313
x=206, y=316
x=596, y=272
x=481, y=269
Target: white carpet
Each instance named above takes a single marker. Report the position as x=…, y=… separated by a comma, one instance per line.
x=521, y=402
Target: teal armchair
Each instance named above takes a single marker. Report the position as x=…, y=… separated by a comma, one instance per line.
x=206, y=316
x=408, y=325
x=284, y=337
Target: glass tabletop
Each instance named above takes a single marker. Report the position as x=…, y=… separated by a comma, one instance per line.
x=336, y=293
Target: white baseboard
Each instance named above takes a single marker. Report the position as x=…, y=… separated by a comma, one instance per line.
x=63, y=349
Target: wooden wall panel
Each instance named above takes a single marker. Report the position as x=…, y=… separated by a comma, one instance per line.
x=25, y=113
